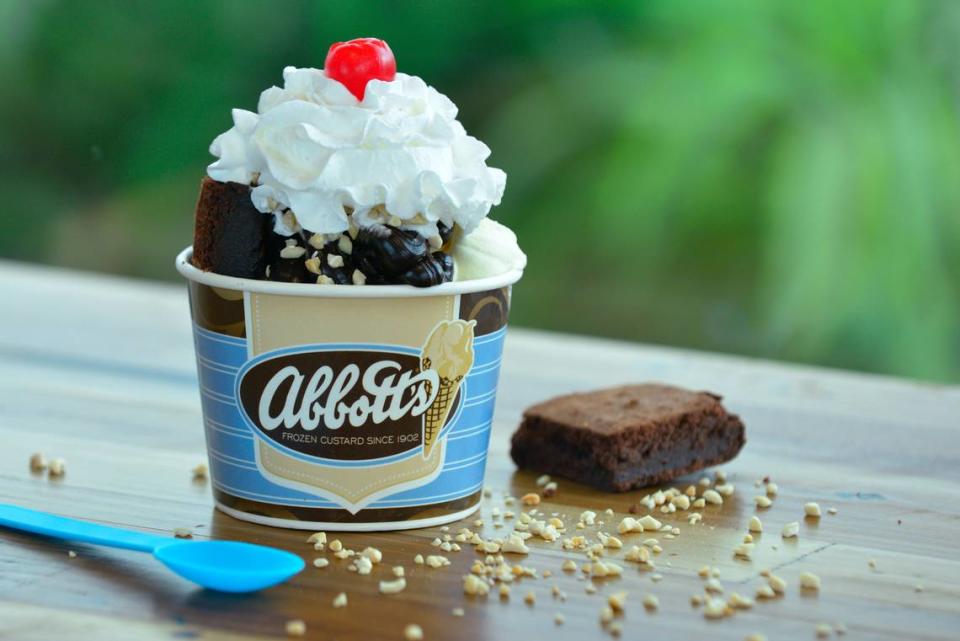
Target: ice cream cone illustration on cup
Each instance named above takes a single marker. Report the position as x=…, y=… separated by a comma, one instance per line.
x=449, y=352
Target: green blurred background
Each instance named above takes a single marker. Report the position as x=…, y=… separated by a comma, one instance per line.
x=779, y=179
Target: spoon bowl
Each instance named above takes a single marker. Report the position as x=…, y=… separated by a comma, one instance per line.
x=228, y=566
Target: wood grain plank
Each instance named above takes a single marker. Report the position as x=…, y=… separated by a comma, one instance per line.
x=37, y=623
x=101, y=371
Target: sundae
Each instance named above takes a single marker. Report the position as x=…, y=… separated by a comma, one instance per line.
x=349, y=298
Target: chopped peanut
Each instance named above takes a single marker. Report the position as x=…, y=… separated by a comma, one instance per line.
x=475, y=586
x=617, y=600
x=393, y=587
x=809, y=581
x=295, y=628
x=38, y=462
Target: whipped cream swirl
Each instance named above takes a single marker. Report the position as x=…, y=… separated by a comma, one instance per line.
x=314, y=149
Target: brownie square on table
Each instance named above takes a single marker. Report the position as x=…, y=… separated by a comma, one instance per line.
x=627, y=437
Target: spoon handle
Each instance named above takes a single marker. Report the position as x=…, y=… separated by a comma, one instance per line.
x=61, y=527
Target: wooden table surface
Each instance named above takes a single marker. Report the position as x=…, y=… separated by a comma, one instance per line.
x=101, y=371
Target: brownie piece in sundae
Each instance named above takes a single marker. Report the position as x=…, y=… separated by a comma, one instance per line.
x=229, y=233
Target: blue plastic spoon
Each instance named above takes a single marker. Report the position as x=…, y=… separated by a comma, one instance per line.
x=228, y=566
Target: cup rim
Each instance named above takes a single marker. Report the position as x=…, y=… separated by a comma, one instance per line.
x=190, y=272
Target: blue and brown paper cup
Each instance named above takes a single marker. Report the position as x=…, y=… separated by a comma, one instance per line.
x=347, y=407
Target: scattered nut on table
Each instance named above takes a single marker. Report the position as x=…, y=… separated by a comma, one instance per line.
x=57, y=467
x=295, y=628
x=393, y=587
x=778, y=584
x=617, y=600
x=38, y=462
x=809, y=581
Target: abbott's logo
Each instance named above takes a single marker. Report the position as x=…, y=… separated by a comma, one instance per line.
x=387, y=392
x=340, y=404
x=359, y=404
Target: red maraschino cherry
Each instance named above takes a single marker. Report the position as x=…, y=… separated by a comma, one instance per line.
x=357, y=62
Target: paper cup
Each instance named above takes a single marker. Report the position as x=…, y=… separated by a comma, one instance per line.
x=345, y=407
